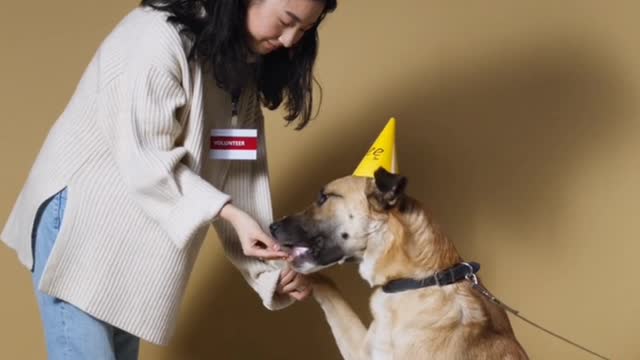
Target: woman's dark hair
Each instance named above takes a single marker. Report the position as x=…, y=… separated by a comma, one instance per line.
x=218, y=31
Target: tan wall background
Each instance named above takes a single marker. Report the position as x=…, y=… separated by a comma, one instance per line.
x=518, y=126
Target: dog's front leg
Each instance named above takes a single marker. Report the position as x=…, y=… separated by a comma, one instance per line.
x=346, y=326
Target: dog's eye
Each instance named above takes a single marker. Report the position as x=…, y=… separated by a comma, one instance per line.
x=322, y=197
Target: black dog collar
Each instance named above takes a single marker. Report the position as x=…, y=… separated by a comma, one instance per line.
x=440, y=278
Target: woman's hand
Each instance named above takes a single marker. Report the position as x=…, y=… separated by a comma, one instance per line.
x=254, y=241
x=294, y=284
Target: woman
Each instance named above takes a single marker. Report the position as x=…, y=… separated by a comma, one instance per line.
x=118, y=202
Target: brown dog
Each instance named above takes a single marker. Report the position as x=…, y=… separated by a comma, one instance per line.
x=373, y=222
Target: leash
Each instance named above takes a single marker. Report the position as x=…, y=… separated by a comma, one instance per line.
x=467, y=271
x=471, y=277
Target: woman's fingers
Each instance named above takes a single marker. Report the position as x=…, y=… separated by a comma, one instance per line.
x=286, y=277
x=299, y=283
x=301, y=295
x=267, y=241
x=265, y=247
x=294, y=284
x=266, y=254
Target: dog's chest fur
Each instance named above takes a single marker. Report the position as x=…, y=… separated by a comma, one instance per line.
x=438, y=316
x=380, y=337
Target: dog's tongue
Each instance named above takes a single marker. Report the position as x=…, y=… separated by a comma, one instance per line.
x=299, y=251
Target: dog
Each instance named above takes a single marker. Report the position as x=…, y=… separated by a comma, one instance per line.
x=399, y=250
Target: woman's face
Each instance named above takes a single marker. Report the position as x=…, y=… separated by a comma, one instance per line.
x=280, y=23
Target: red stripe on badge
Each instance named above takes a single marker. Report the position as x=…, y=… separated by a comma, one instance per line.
x=233, y=143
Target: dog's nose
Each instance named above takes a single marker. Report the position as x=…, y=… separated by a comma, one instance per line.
x=274, y=227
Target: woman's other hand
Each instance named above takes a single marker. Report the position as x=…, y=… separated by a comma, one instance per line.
x=294, y=284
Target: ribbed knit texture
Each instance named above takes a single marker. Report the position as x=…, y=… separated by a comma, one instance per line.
x=132, y=148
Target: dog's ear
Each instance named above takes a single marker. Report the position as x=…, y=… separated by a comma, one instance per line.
x=389, y=189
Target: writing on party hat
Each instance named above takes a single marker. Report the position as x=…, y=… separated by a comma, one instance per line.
x=382, y=153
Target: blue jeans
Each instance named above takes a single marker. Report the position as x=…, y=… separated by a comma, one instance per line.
x=70, y=332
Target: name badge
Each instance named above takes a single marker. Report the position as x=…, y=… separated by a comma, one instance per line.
x=234, y=144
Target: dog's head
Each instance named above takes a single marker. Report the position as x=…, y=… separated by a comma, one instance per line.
x=342, y=221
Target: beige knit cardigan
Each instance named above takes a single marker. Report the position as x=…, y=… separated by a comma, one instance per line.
x=132, y=147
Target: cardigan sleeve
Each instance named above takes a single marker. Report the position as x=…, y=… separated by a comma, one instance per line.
x=262, y=276
x=148, y=131
x=248, y=184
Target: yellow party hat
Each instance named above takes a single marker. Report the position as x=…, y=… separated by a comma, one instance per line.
x=382, y=153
